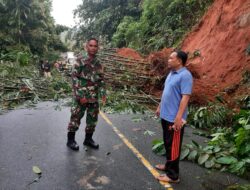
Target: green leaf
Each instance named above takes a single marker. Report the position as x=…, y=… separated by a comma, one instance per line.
x=36, y=170
x=161, y=152
x=247, y=127
x=216, y=136
x=247, y=160
x=209, y=163
x=203, y=158
x=201, y=114
x=191, y=146
x=217, y=149
x=192, y=155
x=156, y=146
x=236, y=167
x=217, y=166
x=226, y=160
x=209, y=151
x=157, y=141
x=184, y=153
x=206, y=148
x=196, y=144
x=148, y=132
x=242, y=121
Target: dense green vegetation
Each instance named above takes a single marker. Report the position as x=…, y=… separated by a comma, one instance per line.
x=23, y=85
x=144, y=25
x=27, y=26
x=101, y=18
x=28, y=34
x=228, y=147
x=162, y=24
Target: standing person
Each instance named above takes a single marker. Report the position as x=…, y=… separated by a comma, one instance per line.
x=88, y=86
x=47, y=69
x=56, y=65
x=41, y=67
x=173, y=113
x=60, y=66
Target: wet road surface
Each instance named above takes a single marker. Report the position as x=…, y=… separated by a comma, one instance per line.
x=37, y=137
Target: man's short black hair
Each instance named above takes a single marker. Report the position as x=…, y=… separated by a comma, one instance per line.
x=183, y=56
x=93, y=39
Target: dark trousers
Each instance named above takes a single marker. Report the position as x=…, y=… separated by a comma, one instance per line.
x=172, y=142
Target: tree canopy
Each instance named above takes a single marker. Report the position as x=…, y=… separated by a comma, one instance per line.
x=100, y=18
x=144, y=25
x=162, y=24
x=28, y=25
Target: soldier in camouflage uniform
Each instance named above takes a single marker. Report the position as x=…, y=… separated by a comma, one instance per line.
x=88, y=86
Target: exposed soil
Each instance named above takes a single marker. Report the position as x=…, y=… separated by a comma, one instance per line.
x=130, y=53
x=217, y=52
x=221, y=38
x=159, y=61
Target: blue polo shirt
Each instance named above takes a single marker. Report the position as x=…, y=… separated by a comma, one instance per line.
x=177, y=83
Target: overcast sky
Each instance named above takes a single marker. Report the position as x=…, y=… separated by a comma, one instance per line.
x=63, y=11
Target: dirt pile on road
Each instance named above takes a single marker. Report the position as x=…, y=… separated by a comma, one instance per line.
x=159, y=61
x=129, y=53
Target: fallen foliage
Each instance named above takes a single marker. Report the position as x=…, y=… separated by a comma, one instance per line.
x=21, y=85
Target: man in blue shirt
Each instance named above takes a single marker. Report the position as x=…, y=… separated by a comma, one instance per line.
x=173, y=113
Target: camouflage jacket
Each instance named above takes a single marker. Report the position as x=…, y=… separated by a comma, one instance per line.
x=87, y=76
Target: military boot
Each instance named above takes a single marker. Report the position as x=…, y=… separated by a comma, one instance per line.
x=71, y=141
x=90, y=142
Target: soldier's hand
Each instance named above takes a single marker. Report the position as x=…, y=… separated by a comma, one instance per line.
x=104, y=99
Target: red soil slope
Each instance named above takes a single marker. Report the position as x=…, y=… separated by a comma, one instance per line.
x=221, y=37
x=130, y=53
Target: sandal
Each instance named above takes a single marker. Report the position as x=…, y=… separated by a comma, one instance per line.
x=165, y=178
x=160, y=167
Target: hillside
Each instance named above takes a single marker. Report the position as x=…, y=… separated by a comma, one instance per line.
x=221, y=38
x=217, y=53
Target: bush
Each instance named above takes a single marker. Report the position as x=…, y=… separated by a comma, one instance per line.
x=162, y=24
x=228, y=150
x=18, y=56
x=209, y=117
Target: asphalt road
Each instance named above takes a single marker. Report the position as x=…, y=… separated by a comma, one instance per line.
x=37, y=137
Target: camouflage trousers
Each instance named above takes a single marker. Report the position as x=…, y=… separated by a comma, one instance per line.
x=77, y=113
